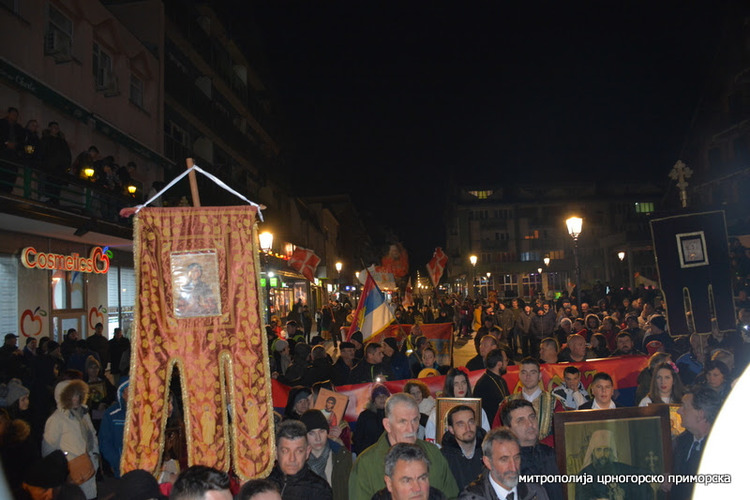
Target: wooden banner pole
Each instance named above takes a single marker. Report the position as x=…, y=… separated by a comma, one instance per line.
x=193, y=183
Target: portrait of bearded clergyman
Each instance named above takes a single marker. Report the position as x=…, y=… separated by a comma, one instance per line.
x=195, y=285
x=601, y=460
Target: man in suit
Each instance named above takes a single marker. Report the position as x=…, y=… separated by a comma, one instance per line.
x=700, y=407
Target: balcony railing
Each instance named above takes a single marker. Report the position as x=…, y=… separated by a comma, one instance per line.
x=66, y=193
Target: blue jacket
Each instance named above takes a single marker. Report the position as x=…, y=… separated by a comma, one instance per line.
x=112, y=430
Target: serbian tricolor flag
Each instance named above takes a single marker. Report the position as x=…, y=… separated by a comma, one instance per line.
x=305, y=262
x=372, y=314
x=436, y=266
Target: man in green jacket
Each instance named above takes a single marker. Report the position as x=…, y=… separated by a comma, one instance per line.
x=401, y=424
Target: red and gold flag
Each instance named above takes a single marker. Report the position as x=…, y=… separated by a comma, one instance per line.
x=198, y=310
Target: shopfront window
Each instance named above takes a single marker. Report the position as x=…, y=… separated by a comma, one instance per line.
x=8, y=294
x=121, y=299
x=67, y=290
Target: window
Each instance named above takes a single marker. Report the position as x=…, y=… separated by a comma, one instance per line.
x=67, y=290
x=9, y=293
x=102, y=69
x=644, y=208
x=530, y=256
x=58, y=39
x=136, y=91
x=121, y=299
x=482, y=195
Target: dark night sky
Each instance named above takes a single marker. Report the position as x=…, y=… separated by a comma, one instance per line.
x=392, y=101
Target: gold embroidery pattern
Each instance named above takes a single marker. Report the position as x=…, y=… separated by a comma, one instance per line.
x=222, y=359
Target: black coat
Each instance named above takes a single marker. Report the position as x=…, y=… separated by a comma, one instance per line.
x=541, y=459
x=465, y=470
x=303, y=485
x=368, y=429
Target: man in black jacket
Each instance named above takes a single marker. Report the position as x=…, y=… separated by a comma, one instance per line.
x=462, y=445
x=291, y=473
x=536, y=458
x=371, y=368
x=491, y=387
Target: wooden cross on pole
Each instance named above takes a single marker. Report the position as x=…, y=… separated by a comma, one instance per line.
x=680, y=173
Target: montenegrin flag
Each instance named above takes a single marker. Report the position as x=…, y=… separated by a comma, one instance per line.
x=372, y=314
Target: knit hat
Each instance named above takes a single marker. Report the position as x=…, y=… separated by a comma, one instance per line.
x=301, y=394
x=280, y=345
x=658, y=321
x=12, y=392
x=314, y=419
x=379, y=390
x=49, y=472
x=92, y=361
x=392, y=343
x=138, y=485
x=347, y=345
x=357, y=336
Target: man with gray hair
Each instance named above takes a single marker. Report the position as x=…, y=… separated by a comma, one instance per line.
x=401, y=424
x=502, y=458
x=291, y=473
x=407, y=475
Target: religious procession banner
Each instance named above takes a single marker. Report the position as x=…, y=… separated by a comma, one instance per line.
x=624, y=371
x=198, y=311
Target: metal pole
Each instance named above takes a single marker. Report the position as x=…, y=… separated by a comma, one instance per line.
x=578, y=274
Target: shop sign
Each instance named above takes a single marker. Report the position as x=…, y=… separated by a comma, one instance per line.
x=97, y=263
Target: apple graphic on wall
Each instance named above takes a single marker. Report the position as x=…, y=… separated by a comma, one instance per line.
x=96, y=315
x=31, y=322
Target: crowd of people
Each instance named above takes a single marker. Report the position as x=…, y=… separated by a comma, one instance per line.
x=49, y=154
x=59, y=398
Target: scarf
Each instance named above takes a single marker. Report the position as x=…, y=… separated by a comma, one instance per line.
x=318, y=464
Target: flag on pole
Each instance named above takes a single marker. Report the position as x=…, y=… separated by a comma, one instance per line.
x=305, y=262
x=408, y=295
x=372, y=314
x=436, y=266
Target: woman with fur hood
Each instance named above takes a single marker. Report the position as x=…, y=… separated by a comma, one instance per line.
x=70, y=429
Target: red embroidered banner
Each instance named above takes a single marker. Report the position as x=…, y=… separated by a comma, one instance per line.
x=198, y=310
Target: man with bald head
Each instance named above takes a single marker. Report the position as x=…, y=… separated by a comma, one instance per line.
x=401, y=424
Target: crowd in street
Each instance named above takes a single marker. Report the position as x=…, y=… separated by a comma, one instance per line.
x=59, y=398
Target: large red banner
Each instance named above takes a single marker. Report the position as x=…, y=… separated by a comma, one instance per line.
x=624, y=371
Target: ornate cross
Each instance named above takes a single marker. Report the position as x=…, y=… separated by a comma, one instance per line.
x=680, y=173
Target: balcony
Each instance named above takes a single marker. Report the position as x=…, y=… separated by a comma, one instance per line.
x=38, y=203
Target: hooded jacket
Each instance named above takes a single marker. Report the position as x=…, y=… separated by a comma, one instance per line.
x=112, y=430
x=71, y=430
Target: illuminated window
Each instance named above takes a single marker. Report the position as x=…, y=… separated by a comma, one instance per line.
x=482, y=195
x=533, y=235
x=644, y=208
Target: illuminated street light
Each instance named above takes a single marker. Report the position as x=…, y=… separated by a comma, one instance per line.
x=575, y=226
x=266, y=241
x=339, y=266
x=621, y=256
x=546, y=260
x=473, y=260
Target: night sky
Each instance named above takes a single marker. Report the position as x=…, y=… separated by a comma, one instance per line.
x=394, y=101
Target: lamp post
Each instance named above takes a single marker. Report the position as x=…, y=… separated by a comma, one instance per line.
x=339, y=266
x=575, y=225
x=489, y=275
x=621, y=256
x=473, y=260
x=266, y=244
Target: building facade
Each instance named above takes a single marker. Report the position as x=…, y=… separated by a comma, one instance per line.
x=66, y=255
x=512, y=228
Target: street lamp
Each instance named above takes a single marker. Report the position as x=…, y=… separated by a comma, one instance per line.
x=575, y=225
x=339, y=266
x=546, y=260
x=473, y=260
x=489, y=274
x=266, y=244
x=621, y=256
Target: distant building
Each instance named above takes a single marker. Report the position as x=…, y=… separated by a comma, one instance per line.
x=512, y=228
